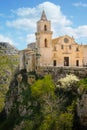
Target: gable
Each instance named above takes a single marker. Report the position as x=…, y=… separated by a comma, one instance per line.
x=64, y=40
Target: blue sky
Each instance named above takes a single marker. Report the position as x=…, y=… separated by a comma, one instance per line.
x=18, y=19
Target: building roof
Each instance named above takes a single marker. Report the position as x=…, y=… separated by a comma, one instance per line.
x=43, y=16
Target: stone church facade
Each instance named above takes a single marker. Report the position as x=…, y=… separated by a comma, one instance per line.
x=47, y=52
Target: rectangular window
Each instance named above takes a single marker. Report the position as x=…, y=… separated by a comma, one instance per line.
x=62, y=47
x=77, y=62
x=77, y=49
x=70, y=47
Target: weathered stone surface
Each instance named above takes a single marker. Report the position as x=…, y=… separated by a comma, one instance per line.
x=8, y=49
x=82, y=109
x=18, y=96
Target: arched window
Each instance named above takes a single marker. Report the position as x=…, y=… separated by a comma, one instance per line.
x=45, y=42
x=45, y=27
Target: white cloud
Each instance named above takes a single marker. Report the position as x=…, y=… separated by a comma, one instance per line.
x=55, y=14
x=23, y=23
x=5, y=39
x=80, y=4
x=81, y=31
x=30, y=38
x=78, y=32
x=8, y=40
x=24, y=12
x=26, y=18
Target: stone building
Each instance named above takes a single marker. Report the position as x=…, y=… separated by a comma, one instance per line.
x=47, y=52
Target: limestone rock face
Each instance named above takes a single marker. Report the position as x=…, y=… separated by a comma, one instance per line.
x=18, y=97
x=9, y=62
x=8, y=48
x=82, y=109
x=19, y=127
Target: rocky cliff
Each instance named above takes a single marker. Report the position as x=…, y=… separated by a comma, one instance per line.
x=68, y=105
x=6, y=48
x=9, y=61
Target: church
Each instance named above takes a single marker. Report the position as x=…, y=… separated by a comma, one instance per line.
x=62, y=51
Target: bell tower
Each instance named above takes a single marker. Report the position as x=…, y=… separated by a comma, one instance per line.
x=44, y=38
x=44, y=33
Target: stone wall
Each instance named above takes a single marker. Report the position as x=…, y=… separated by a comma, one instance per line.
x=56, y=71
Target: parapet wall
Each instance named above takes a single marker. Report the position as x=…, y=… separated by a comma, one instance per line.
x=81, y=72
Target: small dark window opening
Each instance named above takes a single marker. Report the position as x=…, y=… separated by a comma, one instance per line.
x=77, y=49
x=54, y=63
x=45, y=42
x=77, y=62
x=70, y=47
x=45, y=27
x=62, y=47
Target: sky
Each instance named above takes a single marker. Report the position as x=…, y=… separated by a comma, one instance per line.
x=18, y=20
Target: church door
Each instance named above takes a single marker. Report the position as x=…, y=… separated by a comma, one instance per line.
x=54, y=63
x=66, y=61
x=77, y=62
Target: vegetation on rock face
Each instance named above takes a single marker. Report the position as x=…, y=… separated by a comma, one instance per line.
x=68, y=81
x=82, y=85
x=29, y=102
x=8, y=65
x=40, y=106
x=43, y=105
